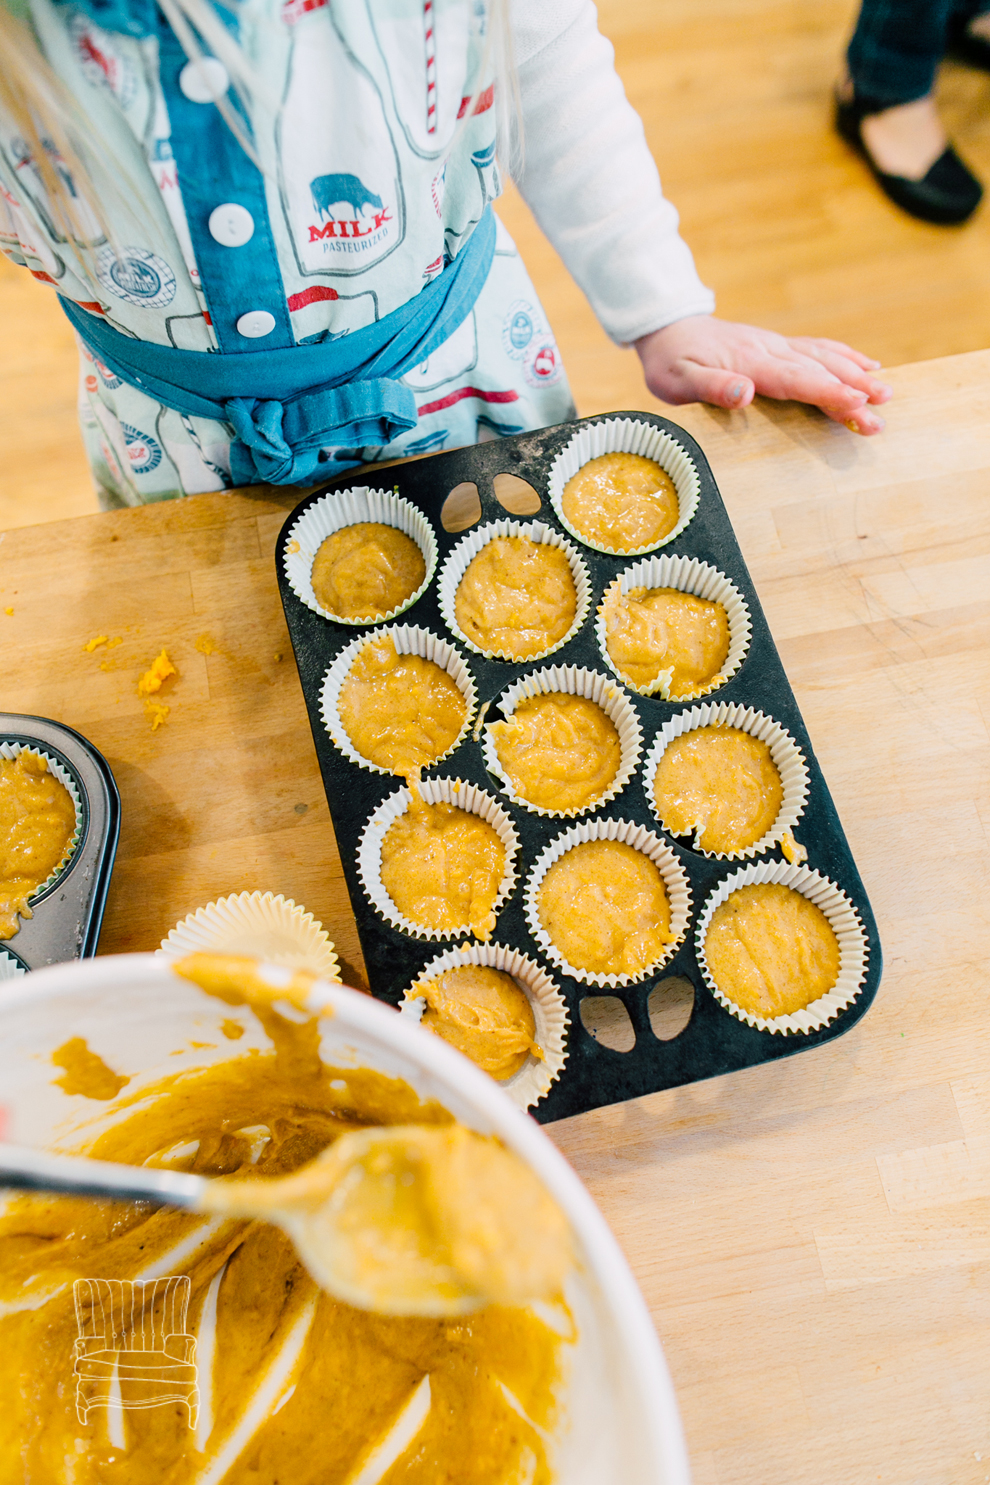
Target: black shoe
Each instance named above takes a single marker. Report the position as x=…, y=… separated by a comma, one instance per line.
x=947, y=195
x=962, y=44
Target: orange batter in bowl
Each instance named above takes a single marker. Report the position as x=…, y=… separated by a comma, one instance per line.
x=484, y=1014
x=604, y=906
x=560, y=752
x=443, y=868
x=517, y=597
x=621, y=501
x=367, y=570
x=653, y=630
x=771, y=951
x=402, y=712
x=720, y=785
x=37, y=823
x=296, y=1387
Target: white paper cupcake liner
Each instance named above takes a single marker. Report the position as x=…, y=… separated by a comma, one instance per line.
x=408, y=640
x=689, y=575
x=259, y=925
x=675, y=881
x=11, y=750
x=626, y=436
x=575, y=681
x=10, y=968
x=845, y=924
x=469, y=546
x=434, y=791
x=784, y=751
x=343, y=508
x=534, y=1079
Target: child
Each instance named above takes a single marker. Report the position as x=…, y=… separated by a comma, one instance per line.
x=270, y=224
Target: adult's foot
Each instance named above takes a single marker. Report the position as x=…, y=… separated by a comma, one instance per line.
x=910, y=156
x=906, y=140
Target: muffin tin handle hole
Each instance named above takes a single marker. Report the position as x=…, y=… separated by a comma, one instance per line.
x=606, y=1019
x=462, y=507
x=669, y=1006
x=516, y=495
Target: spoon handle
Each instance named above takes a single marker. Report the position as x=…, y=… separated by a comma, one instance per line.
x=25, y=1169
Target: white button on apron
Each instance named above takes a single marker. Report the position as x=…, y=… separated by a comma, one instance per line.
x=204, y=81
x=231, y=224
x=255, y=324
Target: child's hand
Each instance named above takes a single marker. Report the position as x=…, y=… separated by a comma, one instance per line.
x=702, y=359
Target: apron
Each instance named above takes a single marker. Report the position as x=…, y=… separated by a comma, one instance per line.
x=351, y=300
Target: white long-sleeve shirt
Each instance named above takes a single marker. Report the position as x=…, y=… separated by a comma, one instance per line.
x=589, y=178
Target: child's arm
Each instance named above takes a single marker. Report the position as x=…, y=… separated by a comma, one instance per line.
x=588, y=175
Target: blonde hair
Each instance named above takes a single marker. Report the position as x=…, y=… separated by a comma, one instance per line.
x=49, y=122
x=56, y=131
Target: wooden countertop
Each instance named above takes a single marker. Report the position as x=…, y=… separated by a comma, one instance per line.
x=813, y=1236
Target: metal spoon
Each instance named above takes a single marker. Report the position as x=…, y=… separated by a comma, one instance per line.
x=405, y=1220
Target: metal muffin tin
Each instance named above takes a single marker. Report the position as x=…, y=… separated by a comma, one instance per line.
x=714, y=1041
x=68, y=913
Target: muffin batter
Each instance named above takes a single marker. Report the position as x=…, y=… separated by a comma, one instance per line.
x=651, y=630
x=719, y=784
x=516, y=598
x=321, y=1415
x=770, y=950
x=560, y=752
x=603, y=904
x=484, y=1014
x=400, y=711
x=367, y=570
x=621, y=501
x=37, y=823
x=443, y=867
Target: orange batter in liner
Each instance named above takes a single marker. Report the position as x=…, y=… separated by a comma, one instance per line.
x=603, y=904
x=621, y=501
x=720, y=785
x=37, y=823
x=516, y=598
x=484, y=1014
x=649, y=630
x=771, y=951
x=561, y=752
x=367, y=570
x=443, y=868
x=402, y=712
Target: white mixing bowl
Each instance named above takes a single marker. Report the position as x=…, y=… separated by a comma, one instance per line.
x=622, y=1425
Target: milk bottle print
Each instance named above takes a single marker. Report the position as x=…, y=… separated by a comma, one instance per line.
x=339, y=170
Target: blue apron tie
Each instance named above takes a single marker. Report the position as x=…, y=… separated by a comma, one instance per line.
x=286, y=405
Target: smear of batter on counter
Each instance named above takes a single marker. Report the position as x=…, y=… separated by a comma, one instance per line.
x=95, y=642
x=161, y=669
x=205, y=644
x=157, y=713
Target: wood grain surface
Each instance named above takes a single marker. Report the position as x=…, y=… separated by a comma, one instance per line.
x=813, y=1236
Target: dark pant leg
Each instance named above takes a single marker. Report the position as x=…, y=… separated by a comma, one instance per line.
x=897, y=46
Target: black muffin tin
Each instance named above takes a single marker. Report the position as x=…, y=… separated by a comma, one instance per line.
x=714, y=1041
x=68, y=914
